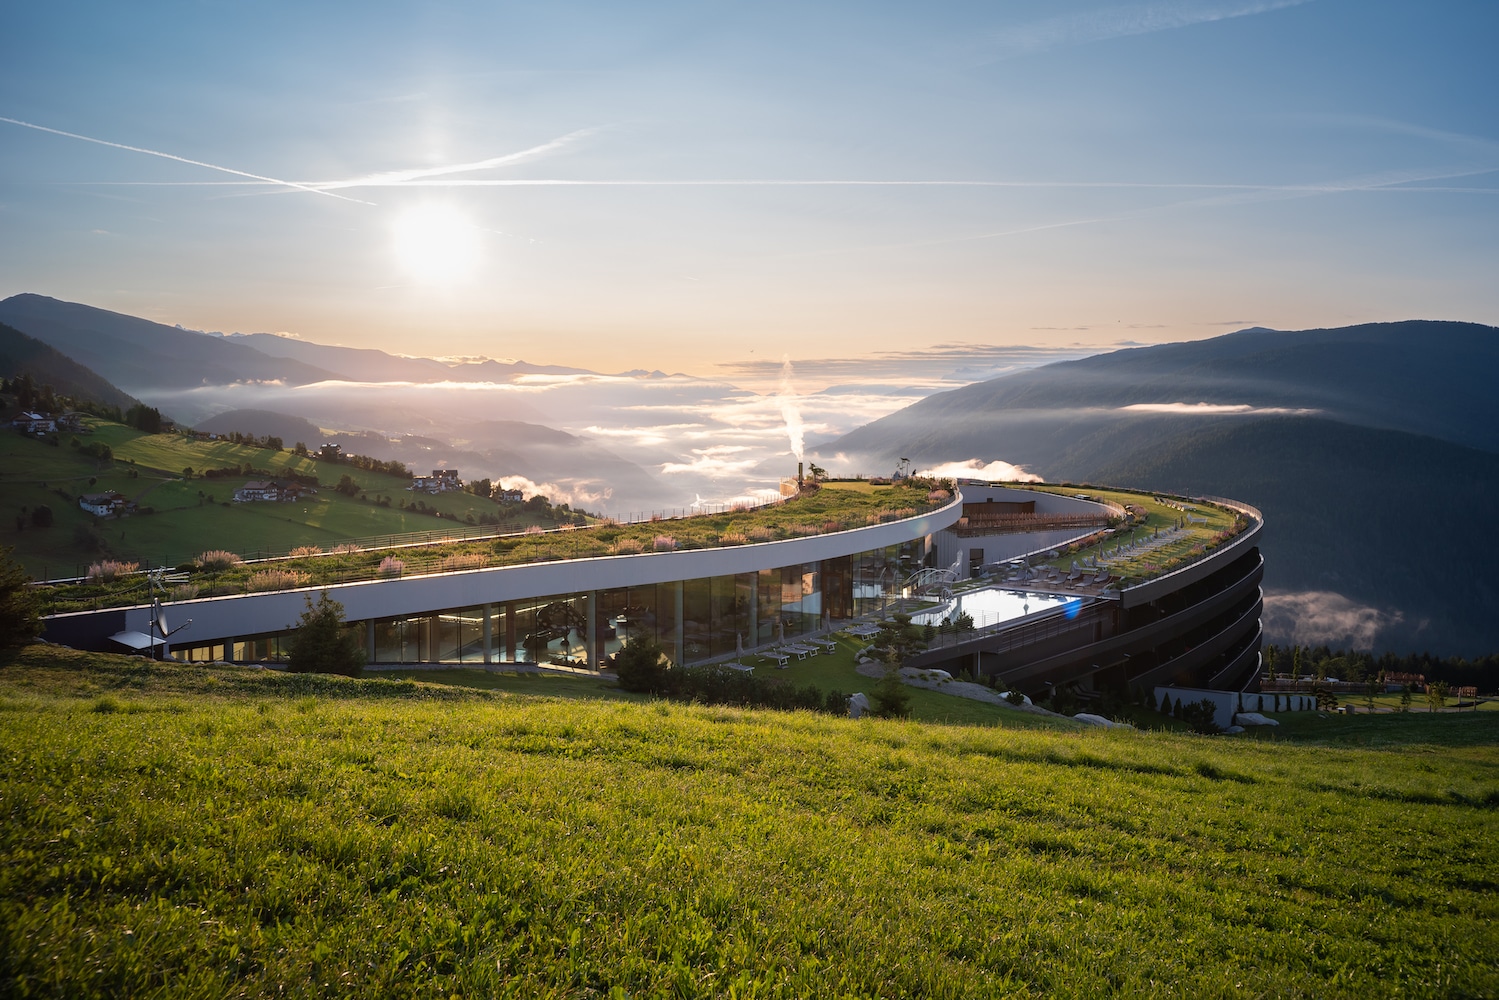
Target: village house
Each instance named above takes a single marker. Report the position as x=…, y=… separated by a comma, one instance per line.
x=266, y=489
x=508, y=496
x=107, y=504
x=441, y=481
x=28, y=422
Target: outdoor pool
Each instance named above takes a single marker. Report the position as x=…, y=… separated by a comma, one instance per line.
x=994, y=605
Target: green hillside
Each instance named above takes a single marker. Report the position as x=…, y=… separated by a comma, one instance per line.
x=196, y=832
x=188, y=515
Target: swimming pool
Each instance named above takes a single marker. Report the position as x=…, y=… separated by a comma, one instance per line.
x=995, y=605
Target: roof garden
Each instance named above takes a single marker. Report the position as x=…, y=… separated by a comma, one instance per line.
x=1158, y=534
x=833, y=507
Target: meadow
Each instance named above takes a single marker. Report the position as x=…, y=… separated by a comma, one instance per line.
x=192, y=515
x=218, y=831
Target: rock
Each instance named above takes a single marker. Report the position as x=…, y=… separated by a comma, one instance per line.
x=1006, y=696
x=1234, y=729
x=858, y=705
x=1253, y=719
x=1098, y=720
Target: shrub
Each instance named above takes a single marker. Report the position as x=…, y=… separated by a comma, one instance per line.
x=321, y=642
x=461, y=561
x=733, y=538
x=346, y=549
x=642, y=665
x=107, y=570
x=664, y=543
x=627, y=546
x=275, y=579
x=20, y=605
x=184, y=592
x=390, y=566
x=217, y=559
x=1199, y=715
x=306, y=550
x=889, y=698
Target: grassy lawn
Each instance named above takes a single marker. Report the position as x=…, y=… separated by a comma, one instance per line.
x=1158, y=516
x=191, y=515
x=193, y=832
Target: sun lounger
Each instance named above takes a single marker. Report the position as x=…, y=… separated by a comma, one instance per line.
x=828, y=645
x=780, y=658
x=802, y=652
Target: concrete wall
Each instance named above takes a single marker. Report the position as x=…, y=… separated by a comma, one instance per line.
x=1003, y=546
x=1227, y=704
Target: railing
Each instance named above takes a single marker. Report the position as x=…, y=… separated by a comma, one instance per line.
x=408, y=559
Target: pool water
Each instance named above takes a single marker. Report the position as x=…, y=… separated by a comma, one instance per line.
x=994, y=605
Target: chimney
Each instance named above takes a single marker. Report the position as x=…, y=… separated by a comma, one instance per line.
x=799, y=479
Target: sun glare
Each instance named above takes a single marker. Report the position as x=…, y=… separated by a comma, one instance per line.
x=436, y=244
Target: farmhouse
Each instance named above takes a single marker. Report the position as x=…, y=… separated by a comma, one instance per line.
x=267, y=489
x=28, y=422
x=441, y=481
x=107, y=504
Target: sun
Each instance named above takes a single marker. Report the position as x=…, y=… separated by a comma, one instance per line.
x=436, y=244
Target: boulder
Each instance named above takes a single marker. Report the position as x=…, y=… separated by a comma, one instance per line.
x=858, y=705
x=1253, y=719
x=1231, y=730
x=1098, y=720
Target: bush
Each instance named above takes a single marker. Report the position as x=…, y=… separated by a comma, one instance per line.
x=889, y=699
x=322, y=644
x=216, y=559
x=390, y=566
x=20, y=608
x=107, y=570
x=1199, y=715
x=642, y=665
x=276, y=579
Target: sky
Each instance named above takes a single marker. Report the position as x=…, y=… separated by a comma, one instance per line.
x=717, y=187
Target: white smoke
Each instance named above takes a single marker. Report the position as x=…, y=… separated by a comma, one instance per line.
x=789, y=411
x=977, y=468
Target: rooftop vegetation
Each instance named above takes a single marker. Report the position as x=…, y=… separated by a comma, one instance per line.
x=814, y=512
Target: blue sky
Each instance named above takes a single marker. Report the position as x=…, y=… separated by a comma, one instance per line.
x=695, y=185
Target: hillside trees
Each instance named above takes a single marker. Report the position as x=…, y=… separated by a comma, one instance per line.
x=20, y=610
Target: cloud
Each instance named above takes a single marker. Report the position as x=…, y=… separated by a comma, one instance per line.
x=1086, y=27
x=716, y=461
x=579, y=493
x=976, y=468
x=1314, y=617
x=1219, y=409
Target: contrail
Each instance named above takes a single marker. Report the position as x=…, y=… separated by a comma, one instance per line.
x=1121, y=22
x=400, y=178
x=182, y=159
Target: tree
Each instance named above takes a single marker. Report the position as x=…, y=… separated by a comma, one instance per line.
x=145, y=418
x=20, y=609
x=642, y=665
x=891, y=700
x=1405, y=698
x=322, y=644
x=41, y=516
x=1436, y=695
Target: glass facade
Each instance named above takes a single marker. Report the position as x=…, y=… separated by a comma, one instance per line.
x=693, y=620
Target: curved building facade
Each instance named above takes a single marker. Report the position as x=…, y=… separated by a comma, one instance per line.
x=1199, y=624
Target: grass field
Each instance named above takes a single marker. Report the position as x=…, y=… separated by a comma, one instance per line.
x=193, y=515
x=186, y=832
